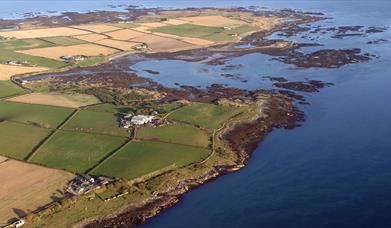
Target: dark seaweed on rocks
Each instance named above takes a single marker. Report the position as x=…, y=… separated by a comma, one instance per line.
x=340, y=36
x=242, y=138
x=374, y=29
x=292, y=95
x=310, y=86
x=328, y=58
x=152, y=72
x=277, y=79
x=279, y=113
x=348, y=31
x=232, y=67
x=378, y=41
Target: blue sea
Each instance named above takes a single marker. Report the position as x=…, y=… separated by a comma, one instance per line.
x=332, y=172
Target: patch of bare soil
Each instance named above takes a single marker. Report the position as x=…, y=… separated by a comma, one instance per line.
x=25, y=187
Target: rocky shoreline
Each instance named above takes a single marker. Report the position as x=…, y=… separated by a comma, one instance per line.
x=243, y=138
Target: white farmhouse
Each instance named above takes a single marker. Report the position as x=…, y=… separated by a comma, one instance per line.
x=141, y=119
x=18, y=223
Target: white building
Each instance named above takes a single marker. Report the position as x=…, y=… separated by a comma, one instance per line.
x=141, y=119
x=18, y=223
x=139, y=47
x=73, y=57
x=130, y=120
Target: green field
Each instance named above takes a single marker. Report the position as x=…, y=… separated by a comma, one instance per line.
x=204, y=32
x=7, y=88
x=190, y=30
x=226, y=35
x=41, y=86
x=141, y=158
x=110, y=108
x=162, y=109
x=8, y=55
x=205, y=115
x=99, y=122
x=41, y=115
x=91, y=61
x=63, y=40
x=175, y=133
x=165, y=108
x=76, y=152
x=18, y=140
x=24, y=44
x=243, y=29
x=81, y=98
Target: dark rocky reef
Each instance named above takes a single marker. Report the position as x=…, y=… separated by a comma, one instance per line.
x=309, y=86
x=328, y=58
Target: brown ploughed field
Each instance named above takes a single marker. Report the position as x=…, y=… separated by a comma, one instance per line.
x=25, y=187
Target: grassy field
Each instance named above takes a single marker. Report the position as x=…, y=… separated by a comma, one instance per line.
x=24, y=44
x=91, y=61
x=189, y=30
x=83, y=209
x=42, y=115
x=175, y=133
x=71, y=100
x=160, y=108
x=39, y=86
x=122, y=108
x=141, y=158
x=76, y=152
x=7, y=88
x=243, y=29
x=205, y=115
x=8, y=55
x=18, y=140
x=82, y=99
x=110, y=108
x=63, y=40
x=226, y=35
x=168, y=107
x=98, y=122
x=204, y=32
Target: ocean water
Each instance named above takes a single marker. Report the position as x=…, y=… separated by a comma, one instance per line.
x=334, y=171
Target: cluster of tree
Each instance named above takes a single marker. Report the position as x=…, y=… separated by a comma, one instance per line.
x=114, y=96
x=133, y=102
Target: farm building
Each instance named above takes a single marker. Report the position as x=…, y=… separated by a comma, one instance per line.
x=18, y=223
x=16, y=63
x=128, y=120
x=140, y=46
x=141, y=119
x=70, y=58
x=82, y=184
